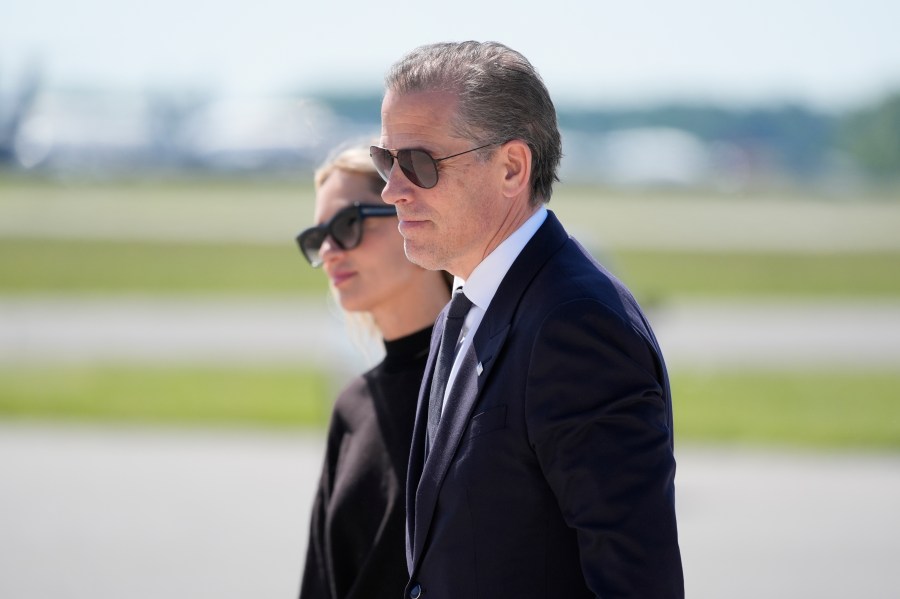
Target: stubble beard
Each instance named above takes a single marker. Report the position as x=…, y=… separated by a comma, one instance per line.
x=424, y=256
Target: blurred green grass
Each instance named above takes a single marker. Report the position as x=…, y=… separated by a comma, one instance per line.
x=856, y=410
x=234, y=238
x=54, y=266
x=212, y=396
x=825, y=409
x=694, y=275
x=48, y=266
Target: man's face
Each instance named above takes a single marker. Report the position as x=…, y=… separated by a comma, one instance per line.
x=451, y=225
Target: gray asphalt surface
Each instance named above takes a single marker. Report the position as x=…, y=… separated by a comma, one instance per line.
x=95, y=512
x=112, y=513
x=759, y=334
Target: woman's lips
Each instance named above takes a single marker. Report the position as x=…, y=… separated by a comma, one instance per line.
x=339, y=277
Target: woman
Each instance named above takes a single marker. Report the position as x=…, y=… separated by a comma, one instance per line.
x=356, y=543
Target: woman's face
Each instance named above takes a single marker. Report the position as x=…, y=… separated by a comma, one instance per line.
x=367, y=277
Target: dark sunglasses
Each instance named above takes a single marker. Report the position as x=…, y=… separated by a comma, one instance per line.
x=418, y=165
x=345, y=228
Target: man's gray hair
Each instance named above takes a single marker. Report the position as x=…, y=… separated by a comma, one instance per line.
x=501, y=98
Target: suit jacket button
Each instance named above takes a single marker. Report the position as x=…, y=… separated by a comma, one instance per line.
x=415, y=592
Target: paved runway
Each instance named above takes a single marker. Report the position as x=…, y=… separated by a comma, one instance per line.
x=762, y=334
x=91, y=512
x=112, y=513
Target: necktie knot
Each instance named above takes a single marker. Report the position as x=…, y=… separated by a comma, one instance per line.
x=459, y=305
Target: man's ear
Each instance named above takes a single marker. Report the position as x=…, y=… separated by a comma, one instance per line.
x=517, y=168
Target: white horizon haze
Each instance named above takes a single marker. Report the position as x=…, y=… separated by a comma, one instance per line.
x=830, y=56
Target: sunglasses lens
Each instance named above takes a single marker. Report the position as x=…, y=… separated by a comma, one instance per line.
x=310, y=242
x=346, y=228
x=419, y=167
x=382, y=160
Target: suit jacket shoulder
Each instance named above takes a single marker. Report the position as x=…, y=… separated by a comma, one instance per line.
x=552, y=470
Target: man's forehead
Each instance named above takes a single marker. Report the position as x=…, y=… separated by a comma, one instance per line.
x=418, y=118
x=427, y=102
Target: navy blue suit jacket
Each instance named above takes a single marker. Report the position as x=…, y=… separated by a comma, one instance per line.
x=552, y=470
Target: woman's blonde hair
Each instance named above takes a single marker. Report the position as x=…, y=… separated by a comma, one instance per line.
x=351, y=159
x=354, y=158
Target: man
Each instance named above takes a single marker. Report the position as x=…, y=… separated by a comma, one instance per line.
x=545, y=466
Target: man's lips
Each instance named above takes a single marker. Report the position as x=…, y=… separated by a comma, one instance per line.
x=408, y=225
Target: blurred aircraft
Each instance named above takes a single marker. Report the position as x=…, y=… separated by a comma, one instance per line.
x=19, y=106
x=168, y=131
x=94, y=133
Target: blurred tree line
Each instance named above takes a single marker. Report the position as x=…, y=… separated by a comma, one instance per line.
x=802, y=140
x=872, y=136
x=178, y=131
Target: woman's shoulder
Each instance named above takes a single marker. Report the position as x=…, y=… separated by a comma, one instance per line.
x=352, y=395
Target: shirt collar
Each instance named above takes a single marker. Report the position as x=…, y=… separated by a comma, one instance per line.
x=482, y=284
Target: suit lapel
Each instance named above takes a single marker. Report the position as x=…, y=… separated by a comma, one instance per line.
x=457, y=412
x=417, y=448
x=475, y=368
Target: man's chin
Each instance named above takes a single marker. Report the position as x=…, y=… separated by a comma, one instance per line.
x=420, y=256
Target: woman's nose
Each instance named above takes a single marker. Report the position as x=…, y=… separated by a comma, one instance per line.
x=329, y=248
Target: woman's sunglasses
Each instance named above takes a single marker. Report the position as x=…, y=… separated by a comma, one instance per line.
x=345, y=228
x=418, y=165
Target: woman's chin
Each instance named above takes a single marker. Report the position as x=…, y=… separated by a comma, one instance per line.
x=352, y=303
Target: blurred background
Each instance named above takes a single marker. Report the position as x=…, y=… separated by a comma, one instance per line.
x=168, y=360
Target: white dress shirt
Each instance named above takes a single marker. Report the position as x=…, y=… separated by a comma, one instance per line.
x=482, y=284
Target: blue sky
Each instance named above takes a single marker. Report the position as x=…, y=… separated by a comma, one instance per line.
x=830, y=54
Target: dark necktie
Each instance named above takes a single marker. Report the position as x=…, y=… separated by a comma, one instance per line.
x=456, y=316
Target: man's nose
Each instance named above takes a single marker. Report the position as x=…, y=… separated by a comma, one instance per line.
x=398, y=187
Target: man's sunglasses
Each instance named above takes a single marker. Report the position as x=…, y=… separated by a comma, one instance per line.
x=345, y=228
x=418, y=165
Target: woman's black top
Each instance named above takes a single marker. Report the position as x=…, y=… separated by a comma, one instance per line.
x=356, y=538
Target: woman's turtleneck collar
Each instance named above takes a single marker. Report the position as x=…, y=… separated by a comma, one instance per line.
x=404, y=351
